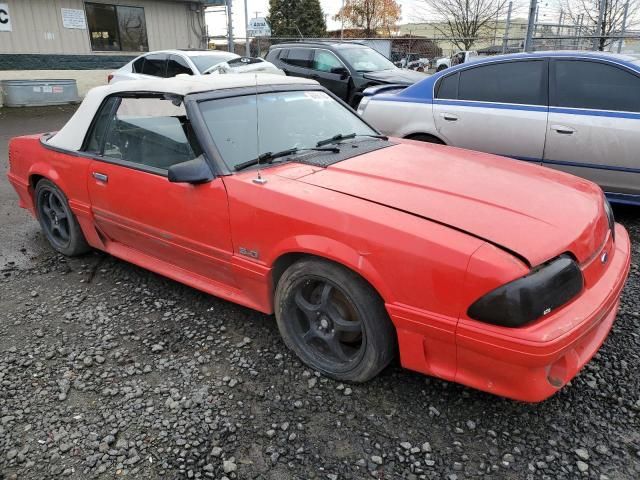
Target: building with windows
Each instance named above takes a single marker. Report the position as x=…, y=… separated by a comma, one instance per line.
x=83, y=39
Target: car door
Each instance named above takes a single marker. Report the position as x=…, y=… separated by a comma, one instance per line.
x=594, y=123
x=497, y=108
x=298, y=62
x=176, y=65
x=133, y=142
x=330, y=72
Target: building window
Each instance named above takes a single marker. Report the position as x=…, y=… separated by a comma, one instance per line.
x=116, y=27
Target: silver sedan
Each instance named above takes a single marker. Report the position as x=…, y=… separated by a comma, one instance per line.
x=573, y=111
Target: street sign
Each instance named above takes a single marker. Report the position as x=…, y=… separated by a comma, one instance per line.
x=5, y=19
x=258, y=27
x=215, y=3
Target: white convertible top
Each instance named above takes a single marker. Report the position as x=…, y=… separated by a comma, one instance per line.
x=71, y=136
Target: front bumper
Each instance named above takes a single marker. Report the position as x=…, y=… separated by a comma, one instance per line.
x=529, y=363
x=533, y=362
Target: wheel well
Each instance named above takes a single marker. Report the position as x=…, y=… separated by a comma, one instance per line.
x=282, y=263
x=285, y=261
x=425, y=137
x=33, y=181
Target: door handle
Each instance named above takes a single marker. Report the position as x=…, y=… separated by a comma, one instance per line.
x=449, y=117
x=101, y=177
x=563, y=130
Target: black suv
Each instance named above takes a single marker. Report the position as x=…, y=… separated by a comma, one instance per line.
x=345, y=68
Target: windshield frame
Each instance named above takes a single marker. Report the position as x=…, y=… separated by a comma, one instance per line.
x=201, y=130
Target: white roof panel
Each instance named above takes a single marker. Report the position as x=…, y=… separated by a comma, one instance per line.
x=71, y=136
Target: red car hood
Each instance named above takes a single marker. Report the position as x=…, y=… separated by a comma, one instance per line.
x=533, y=211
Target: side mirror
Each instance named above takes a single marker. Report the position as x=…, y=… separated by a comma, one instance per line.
x=192, y=171
x=343, y=72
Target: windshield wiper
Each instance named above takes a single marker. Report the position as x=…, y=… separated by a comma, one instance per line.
x=269, y=157
x=339, y=137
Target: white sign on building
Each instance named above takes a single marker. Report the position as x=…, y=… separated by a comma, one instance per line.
x=258, y=27
x=5, y=19
x=72, y=18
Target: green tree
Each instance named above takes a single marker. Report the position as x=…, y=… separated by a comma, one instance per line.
x=292, y=18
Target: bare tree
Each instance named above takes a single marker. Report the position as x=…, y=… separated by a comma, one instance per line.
x=587, y=12
x=462, y=20
x=370, y=15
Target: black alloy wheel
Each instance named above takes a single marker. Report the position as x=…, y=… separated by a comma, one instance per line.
x=57, y=221
x=333, y=320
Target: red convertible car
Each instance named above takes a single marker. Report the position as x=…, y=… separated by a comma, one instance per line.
x=269, y=192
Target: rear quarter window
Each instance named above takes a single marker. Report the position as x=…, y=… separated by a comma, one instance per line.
x=448, y=87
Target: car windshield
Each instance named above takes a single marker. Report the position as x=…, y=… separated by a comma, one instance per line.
x=204, y=62
x=293, y=119
x=365, y=59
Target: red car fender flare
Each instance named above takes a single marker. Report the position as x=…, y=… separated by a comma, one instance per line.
x=336, y=251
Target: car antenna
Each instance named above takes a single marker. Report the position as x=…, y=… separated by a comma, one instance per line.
x=259, y=180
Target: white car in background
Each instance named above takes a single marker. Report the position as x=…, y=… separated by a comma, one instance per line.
x=169, y=63
x=455, y=59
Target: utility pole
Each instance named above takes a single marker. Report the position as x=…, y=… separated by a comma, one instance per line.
x=579, y=31
x=624, y=26
x=597, y=39
x=506, y=29
x=230, y=27
x=342, y=21
x=533, y=11
x=247, y=51
x=559, y=31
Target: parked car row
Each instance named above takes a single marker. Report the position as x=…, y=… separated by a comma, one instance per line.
x=578, y=112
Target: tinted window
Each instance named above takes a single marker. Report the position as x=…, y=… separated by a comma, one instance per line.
x=299, y=57
x=512, y=82
x=325, y=61
x=273, y=54
x=150, y=132
x=138, y=65
x=155, y=64
x=582, y=84
x=176, y=65
x=100, y=124
x=116, y=27
x=132, y=28
x=103, y=27
x=448, y=87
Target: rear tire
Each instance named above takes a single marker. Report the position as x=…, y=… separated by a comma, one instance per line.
x=334, y=321
x=441, y=67
x=59, y=224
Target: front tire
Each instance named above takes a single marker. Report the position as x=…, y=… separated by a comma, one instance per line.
x=334, y=321
x=57, y=221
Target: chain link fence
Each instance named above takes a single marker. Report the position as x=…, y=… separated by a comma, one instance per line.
x=422, y=53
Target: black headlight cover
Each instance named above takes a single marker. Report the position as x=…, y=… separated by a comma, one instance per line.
x=526, y=299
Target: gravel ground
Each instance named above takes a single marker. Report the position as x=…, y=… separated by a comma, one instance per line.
x=107, y=370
